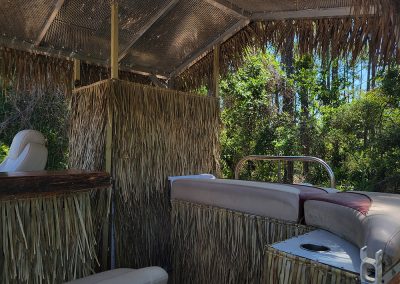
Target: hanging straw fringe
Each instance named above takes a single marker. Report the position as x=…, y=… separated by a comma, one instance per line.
x=283, y=268
x=92, y=73
x=51, y=239
x=32, y=72
x=88, y=126
x=156, y=133
x=27, y=72
x=215, y=245
x=328, y=37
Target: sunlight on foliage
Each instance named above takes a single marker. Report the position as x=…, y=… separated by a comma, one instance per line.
x=328, y=116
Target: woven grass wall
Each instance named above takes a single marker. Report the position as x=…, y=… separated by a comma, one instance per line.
x=284, y=268
x=330, y=38
x=217, y=245
x=156, y=133
x=51, y=239
x=87, y=127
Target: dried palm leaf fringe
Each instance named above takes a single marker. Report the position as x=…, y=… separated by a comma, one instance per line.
x=34, y=72
x=215, y=245
x=329, y=37
x=27, y=72
x=284, y=268
x=156, y=133
x=51, y=239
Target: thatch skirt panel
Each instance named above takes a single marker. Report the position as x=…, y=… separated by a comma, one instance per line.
x=87, y=135
x=284, y=268
x=156, y=133
x=330, y=38
x=216, y=245
x=51, y=239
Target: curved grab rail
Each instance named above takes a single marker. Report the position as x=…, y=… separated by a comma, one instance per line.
x=288, y=159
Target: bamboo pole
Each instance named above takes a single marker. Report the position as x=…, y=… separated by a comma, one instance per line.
x=215, y=77
x=77, y=72
x=109, y=130
x=114, y=75
x=114, y=40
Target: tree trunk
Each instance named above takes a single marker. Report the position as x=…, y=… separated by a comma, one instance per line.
x=288, y=98
x=304, y=128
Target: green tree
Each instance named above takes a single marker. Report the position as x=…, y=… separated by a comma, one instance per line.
x=47, y=113
x=249, y=111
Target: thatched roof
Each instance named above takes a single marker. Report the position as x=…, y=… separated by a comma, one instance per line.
x=173, y=38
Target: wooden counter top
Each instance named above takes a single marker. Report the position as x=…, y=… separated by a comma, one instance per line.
x=29, y=184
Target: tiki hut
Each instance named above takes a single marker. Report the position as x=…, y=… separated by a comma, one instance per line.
x=130, y=70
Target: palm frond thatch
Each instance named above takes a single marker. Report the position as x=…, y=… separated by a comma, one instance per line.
x=34, y=72
x=217, y=245
x=331, y=38
x=156, y=133
x=27, y=72
x=51, y=239
x=281, y=267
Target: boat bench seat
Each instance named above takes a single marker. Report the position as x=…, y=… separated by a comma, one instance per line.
x=148, y=275
x=364, y=218
x=279, y=201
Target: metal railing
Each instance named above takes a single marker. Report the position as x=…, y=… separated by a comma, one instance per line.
x=286, y=159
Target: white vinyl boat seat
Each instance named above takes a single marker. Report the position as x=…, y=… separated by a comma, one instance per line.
x=28, y=152
x=279, y=201
x=148, y=275
x=369, y=219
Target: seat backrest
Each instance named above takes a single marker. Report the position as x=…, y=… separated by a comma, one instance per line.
x=279, y=201
x=27, y=153
x=364, y=218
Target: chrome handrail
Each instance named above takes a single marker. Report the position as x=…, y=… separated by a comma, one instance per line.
x=288, y=159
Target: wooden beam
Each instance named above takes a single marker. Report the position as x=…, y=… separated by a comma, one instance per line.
x=157, y=82
x=77, y=72
x=114, y=75
x=197, y=55
x=49, y=21
x=215, y=76
x=109, y=140
x=16, y=185
x=109, y=126
x=230, y=8
x=25, y=46
x=147, y=26
x=171, y=83
x=307, y=14
x=146, y=73
x=114, y=40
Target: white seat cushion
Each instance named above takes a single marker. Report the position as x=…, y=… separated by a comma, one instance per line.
x=259, y=198
x=364, y=218
x=27, y=153
x=21, y=139
x=148, y=275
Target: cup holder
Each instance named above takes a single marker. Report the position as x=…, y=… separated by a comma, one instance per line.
x=315, y=248
x=371, y=272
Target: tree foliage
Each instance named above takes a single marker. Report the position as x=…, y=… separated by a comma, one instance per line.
x=47, y=113
x=333, y=117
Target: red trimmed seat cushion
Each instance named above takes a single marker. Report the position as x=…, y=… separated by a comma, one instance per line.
x=363, y=218
x=279, y=201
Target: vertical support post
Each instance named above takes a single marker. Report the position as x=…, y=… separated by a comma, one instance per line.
x=77, y=72
x=279, y=171
x=114, y=75
x=109, y=129
x=215, y=76
x=171, y=83
x=114, y=40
